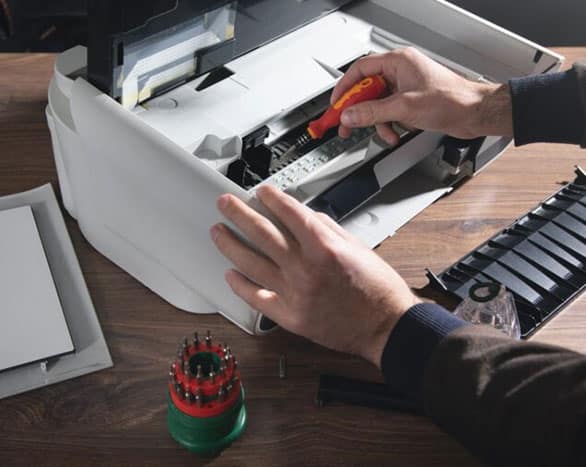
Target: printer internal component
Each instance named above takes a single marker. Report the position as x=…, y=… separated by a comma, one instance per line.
x=275, y=164
x=294, y=167
x=306, y=148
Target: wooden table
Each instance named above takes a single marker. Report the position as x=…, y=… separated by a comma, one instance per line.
x=117, y=417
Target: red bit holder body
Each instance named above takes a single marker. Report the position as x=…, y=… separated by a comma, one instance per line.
x=185, y=387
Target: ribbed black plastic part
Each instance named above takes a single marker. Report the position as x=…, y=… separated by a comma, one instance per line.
x=540, y=258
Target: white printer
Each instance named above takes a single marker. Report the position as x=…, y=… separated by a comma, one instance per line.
x=175, y=102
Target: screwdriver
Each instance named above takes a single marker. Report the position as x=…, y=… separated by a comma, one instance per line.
x=370, y=88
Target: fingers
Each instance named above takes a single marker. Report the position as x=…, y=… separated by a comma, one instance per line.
x=257, y=228
x=344, y=131
x=263, y=300
x=364, y=114
x=367, y=66
x=297, y=218
x=387, y=133
x=384, y=130
x=334, y=226
x=258, y=268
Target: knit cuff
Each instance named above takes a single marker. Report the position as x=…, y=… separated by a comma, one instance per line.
x=411, y=344
x=548, y=108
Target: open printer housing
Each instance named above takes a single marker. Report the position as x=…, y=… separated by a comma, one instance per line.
x=177, y=102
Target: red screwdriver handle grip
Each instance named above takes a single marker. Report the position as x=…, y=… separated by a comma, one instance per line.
x=368, y=89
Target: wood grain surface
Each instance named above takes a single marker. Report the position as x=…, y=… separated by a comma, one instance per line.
x=117, y=417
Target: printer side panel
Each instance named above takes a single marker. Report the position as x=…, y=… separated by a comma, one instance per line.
x=148, y=205
x=64, y=179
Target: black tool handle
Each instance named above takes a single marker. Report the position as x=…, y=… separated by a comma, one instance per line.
x=358, y=392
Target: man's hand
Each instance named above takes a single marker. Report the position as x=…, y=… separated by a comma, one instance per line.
x=427, y=96
x=315, y=279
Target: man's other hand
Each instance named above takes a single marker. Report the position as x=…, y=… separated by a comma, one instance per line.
x=311, y=277
x=427, y=96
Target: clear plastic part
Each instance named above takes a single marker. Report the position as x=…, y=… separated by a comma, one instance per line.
x=492, y=304
x=163, y=58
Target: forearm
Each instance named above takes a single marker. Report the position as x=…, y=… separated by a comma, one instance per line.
x=543, y=108
x=550, y=108
x=511, y=403
x=493, y=115
x=410, y=346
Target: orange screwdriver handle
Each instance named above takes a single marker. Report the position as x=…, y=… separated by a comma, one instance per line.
x=368, y=89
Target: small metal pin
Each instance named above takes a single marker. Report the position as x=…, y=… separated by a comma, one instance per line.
x=234, y=365
x=185, y=344
x=198, y=400
x=222, y=369
x=179, y=390
x=182, y=364
x=199, y=374
x=212, y=377
x=195, y=340
x=228, y=350
x=208, y=339
x=234, y=381
x=283, y=366
x=288, y=152
x=188, y=397
x=221, y=393
x=186, y=367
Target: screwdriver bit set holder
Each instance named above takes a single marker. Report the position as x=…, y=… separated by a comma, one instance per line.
x=206, y=409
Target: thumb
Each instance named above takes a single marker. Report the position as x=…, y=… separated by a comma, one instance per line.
x=369, y=113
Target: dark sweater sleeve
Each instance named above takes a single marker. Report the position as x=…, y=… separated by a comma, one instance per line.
x=550, y=108
x=410, y=346
x=511, y=403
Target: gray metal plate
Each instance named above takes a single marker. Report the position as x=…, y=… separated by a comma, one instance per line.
x=91, y=353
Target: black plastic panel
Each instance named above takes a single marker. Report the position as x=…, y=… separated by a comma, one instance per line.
x=541, y=258
x=114, y=25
